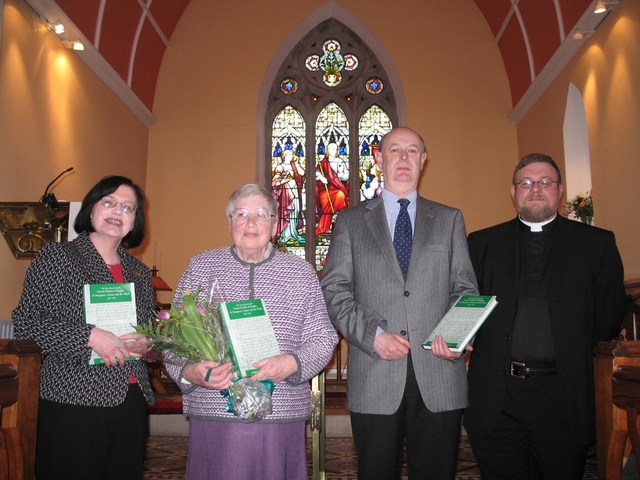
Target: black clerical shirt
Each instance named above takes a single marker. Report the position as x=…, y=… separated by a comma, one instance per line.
x=532, y=340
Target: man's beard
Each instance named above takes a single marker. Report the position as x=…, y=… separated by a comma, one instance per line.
x=537, y=215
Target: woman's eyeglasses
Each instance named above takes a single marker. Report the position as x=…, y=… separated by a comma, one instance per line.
x=242, y=215
x=126, y=207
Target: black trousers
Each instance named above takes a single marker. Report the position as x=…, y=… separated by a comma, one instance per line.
x=431, y=439
x=92, y=443
x=531, y=439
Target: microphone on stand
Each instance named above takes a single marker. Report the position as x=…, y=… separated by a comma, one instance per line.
x=50, y=198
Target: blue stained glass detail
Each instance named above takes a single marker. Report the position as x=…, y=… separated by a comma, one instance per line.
x=374, y=85
x=365, y=150
x=278, y=150
x=343, y=148
x=299, y=150
x=321, y=148
x=289, y=86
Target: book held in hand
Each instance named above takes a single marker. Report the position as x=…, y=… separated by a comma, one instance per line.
x=250, y=333
x=112, y=307
x=462, y=321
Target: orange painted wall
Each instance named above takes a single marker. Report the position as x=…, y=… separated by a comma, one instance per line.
x=607, y=72
x=54, y=114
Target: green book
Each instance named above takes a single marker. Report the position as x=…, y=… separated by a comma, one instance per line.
x=112, y=307
x=462, y=321
x=250, y=333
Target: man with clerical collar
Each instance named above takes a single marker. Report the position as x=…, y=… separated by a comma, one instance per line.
x=559, y=284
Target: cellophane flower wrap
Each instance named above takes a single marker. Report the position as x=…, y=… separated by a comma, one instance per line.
x=195, y=332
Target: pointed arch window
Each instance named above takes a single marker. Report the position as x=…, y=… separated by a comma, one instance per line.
x=329, y=105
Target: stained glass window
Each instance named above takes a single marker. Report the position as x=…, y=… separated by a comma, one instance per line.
x=288, y=165
x=330, y=104
x=373, y=125
x=332, y=168
x=331, y=62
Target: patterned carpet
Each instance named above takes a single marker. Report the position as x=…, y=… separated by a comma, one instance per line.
x=166, y=460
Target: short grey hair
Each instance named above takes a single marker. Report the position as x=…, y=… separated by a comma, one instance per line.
x=252, y=190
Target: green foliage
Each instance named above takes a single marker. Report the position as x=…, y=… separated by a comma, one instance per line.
x=195, y=333
x=581, y=206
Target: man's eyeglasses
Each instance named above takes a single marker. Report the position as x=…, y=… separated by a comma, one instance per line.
x=527, y=183
x=126, y=207
x=260, y=215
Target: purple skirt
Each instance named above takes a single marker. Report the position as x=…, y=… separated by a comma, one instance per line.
x=255, y=451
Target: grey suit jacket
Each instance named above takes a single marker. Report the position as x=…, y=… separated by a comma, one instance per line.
x=364, y=289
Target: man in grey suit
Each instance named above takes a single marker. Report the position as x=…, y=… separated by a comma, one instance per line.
x=396, y=390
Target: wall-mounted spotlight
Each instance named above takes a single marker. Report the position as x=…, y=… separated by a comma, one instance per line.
x=76, y=45
x=602, y=7
x=582, y=34
x=56, y=27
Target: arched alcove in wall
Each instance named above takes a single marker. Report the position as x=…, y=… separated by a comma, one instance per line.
x=576, y=145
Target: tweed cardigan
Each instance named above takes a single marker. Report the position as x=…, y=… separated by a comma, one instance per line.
x=51, y=313
x=290, y=289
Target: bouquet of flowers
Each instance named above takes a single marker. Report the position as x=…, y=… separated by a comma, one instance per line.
x=581, y=206
x=195, y=332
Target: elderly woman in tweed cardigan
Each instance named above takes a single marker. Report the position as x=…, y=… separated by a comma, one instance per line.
x=92, y=418
x=220, y=447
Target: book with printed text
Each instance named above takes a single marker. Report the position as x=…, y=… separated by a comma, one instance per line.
x=462, y=321
x=250, y=333
x=112, y=307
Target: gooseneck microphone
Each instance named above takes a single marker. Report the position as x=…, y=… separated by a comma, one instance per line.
x=50, y=198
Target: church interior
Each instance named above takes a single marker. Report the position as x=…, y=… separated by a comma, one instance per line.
x=178, y=96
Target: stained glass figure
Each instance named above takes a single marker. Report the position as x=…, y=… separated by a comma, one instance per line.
x=374, y=85
x=374, y=124
x=288, y=180
x=332, y=62
x=289, y=86
x=332, y=168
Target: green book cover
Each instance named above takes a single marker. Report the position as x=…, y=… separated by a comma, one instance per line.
x=462, y=321
x=112, y=307
x=250, y=333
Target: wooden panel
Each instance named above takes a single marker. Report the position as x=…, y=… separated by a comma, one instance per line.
x=610, y=420
x=20, y=420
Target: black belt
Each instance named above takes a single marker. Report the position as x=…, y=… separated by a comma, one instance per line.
x=523, y=370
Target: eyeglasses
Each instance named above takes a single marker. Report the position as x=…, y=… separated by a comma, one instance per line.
x=260, y=215
x=527, y=183
x=126, y=207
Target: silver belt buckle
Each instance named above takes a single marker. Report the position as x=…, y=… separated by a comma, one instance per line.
x=518, y=375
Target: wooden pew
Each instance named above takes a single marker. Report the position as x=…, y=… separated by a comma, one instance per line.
x=19, y=387
x=626, y=396
x=11, y=459
x=611, y=421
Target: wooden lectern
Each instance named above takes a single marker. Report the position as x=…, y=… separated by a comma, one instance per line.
x=19, y=389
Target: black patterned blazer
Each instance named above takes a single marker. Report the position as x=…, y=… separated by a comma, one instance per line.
x=51, y=313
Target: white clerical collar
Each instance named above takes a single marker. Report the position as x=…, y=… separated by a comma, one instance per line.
x=536, y=227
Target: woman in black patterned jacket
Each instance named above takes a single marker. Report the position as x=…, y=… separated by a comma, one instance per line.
x=92, y=418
